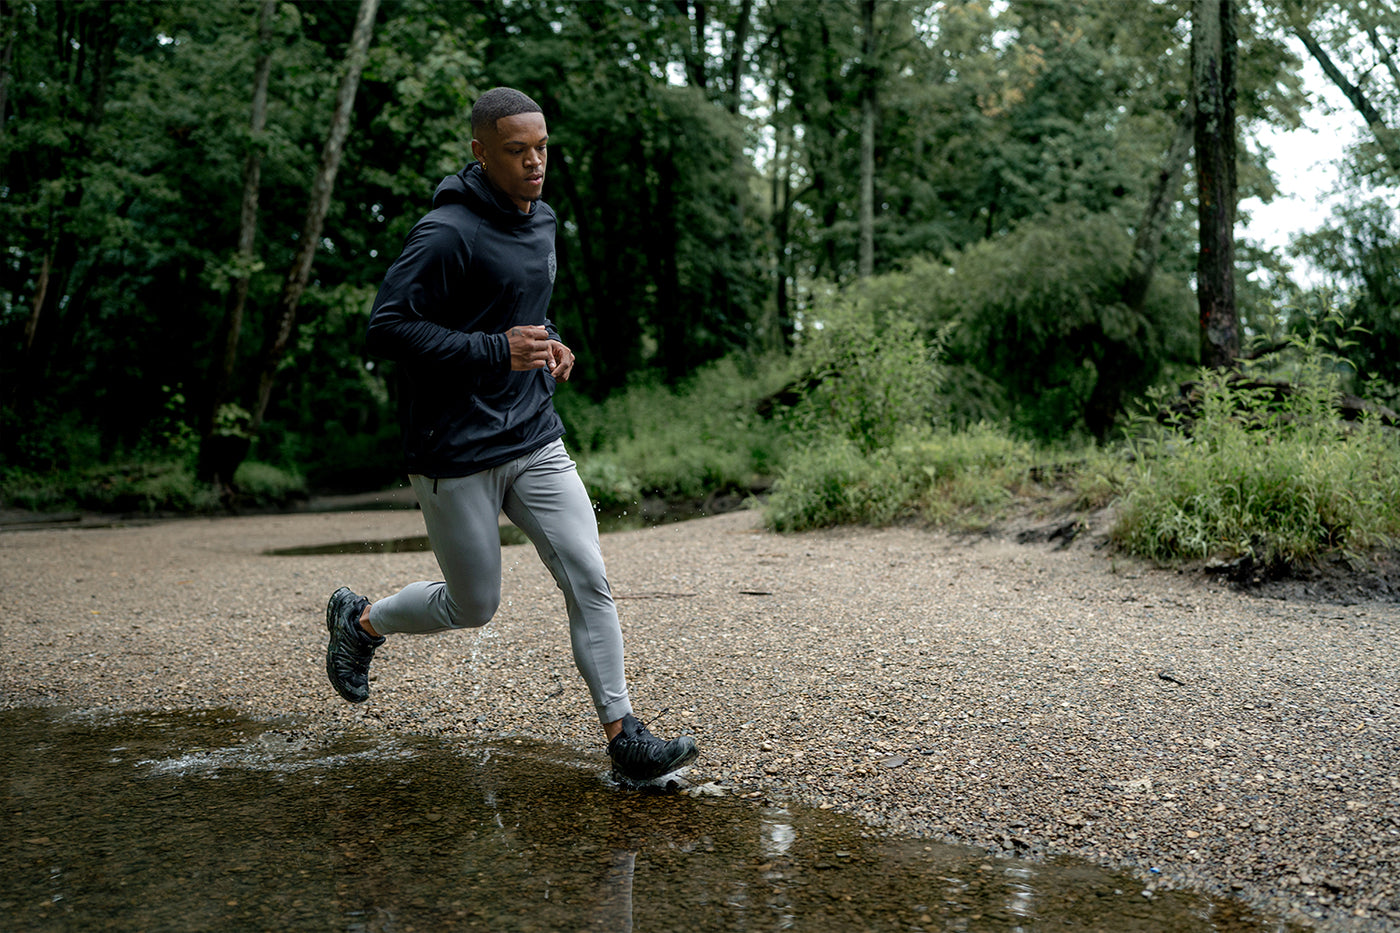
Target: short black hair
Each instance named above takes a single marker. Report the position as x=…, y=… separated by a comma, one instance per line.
x=497, y=103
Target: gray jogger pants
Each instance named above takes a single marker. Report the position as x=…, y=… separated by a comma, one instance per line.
x=542, y=494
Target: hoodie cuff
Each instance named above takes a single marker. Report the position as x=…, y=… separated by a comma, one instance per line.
x=500, y=347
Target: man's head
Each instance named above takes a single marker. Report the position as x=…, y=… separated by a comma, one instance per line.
x=509, y=140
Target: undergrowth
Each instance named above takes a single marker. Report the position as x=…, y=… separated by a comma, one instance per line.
x=1267, y=471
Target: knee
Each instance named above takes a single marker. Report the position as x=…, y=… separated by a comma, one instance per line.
x=472, y=613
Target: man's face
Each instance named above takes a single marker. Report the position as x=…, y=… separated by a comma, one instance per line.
x=514, y=157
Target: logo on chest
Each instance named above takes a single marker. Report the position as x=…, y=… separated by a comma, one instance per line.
x=553, y=266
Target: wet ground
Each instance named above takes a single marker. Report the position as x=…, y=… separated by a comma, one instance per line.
x=180, y=821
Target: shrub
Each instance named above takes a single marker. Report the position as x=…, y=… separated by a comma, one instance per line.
x=1271, y=474
x=609, y=484
x=679, y=442
x=264, y=485
x=960, y=479
x=869, y=370
x=157, y=486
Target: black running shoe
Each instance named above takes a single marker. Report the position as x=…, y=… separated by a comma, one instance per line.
x=351, y=648
x=637, y=755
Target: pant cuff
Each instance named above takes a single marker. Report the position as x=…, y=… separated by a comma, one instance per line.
x=612, y=712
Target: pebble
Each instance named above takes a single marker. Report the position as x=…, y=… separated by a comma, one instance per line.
x=1030, y=701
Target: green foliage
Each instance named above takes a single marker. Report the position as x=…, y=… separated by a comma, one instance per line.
x=144, y=487
x=836, y=483
x=870, y=370
x=263, y=485
x=1359, y=249
x=963, y=479
x=1039, y=314
x=609, y=483
x=1276, y=477
x=681, y=442
x=700, y=216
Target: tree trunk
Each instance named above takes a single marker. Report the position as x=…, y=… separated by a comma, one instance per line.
x=6, y=57
x=661, y=247
x=1213, y=50
x=694, y=52
x=736, y=56
x=779, y=333
x=213, y=467
x=322, y=185
x=866, y=221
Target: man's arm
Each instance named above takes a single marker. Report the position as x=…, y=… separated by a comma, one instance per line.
x=400, y=324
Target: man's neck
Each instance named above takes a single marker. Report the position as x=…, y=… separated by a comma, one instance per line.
x=525, y=207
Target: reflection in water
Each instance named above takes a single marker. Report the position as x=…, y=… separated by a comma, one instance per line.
x=208, y=821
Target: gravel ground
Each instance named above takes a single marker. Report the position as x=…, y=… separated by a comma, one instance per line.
x=1030, y=700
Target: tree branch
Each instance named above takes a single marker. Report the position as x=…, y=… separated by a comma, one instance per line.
x=1374, y=120
x=1386, y=57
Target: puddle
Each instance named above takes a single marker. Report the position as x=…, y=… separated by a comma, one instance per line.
x=209, y=821
x=630, y=520
x=388, y=546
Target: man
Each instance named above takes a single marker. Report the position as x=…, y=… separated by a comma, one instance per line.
x=463, y=311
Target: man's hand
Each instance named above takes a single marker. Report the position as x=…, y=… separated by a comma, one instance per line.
x=561, y=360
x=529, y=347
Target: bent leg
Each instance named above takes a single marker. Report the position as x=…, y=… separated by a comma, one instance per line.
x=462, y=517
x=549, y=503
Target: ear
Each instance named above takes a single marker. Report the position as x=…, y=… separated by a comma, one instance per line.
x=478, y=150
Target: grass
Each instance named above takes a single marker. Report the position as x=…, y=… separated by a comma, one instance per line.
x=1282, y=483
x=1262, y=466
x=965, y=480
x=146, y=487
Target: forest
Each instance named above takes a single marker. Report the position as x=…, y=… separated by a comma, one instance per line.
x=791, y=232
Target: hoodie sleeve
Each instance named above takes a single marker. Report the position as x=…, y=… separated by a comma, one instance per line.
x=407, y=322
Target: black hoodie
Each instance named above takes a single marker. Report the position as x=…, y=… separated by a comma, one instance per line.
x=472, y=268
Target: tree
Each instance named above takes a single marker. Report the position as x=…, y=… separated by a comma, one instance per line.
x=869, y=90
x=1213, y=67
x=1357, y=46
x=657, y=272
x=321, y=187
x=222, y=449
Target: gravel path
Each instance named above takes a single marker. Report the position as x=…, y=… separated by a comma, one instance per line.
x=1016, y=697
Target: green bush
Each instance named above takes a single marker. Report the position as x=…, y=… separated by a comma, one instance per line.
x=264, y=485
x=681, y=442
x=609, y=484
x=157, y=486
x=1042, y=336
x=959, y=479
x=1262, y=472
x=37, y=492
x=837, y=483
x=869, y=371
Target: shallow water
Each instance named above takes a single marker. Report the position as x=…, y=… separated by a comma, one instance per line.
x=626, y=520
x=209, y=821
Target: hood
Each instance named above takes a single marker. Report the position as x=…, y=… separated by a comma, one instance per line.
x=470, y=187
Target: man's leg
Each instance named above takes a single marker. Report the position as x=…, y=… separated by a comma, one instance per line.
x=549, y=503
x=462, y=517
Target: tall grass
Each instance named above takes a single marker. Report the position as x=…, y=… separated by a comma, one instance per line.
x=1270, y=474
x=965, y=480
